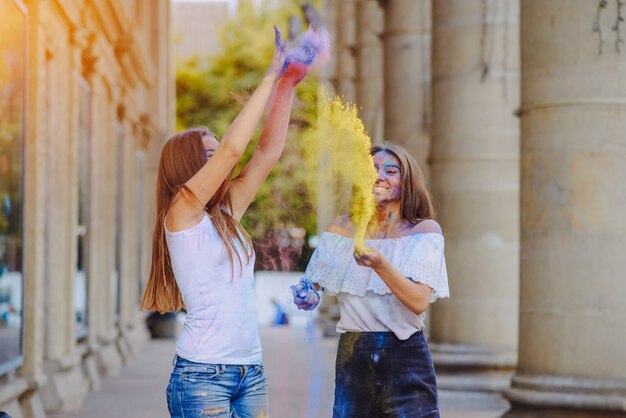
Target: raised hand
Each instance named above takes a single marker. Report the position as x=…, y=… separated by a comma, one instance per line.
x=305, y=297
x=310, y=46
x=278, y=65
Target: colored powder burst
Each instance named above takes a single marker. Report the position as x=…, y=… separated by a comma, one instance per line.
x=310, y=47
x=337, y=148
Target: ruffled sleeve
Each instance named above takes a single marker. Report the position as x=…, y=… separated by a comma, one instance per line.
x=419, y=257
x=426, y=263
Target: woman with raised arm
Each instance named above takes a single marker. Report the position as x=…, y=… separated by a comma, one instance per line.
x=202, y=258
x=383, y=367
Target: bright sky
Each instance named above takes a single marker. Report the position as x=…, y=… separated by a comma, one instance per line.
x=205, y=1
x=232, y=4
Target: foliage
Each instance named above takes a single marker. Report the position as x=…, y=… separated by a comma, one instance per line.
x=211, y=92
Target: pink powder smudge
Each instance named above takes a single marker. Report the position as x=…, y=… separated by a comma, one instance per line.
x=274, y=255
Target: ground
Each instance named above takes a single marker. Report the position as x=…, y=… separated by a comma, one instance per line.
x=299, y=367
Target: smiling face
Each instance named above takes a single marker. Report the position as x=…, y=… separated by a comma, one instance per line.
x=387, y=188
x=210, y=143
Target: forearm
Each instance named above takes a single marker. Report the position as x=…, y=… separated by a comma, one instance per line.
x=241, y=130
x=272, y=140
x=415, y=296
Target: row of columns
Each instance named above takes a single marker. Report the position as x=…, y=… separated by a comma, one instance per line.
x=88, y=105
x=537, y=289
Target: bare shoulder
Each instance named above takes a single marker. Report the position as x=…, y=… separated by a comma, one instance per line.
x=427, y=226
x=184, y=212
x=342, y=225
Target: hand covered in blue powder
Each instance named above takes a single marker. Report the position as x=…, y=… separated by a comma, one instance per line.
x=306, y=50
x=304, y=295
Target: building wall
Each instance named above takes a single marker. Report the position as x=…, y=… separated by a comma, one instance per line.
x=196, y=26
x=98, y=96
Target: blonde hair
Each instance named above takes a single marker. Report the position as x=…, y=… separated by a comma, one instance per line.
x=182, y=157
x=415, y=199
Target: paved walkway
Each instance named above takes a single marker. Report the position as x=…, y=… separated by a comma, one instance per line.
x=300, y=376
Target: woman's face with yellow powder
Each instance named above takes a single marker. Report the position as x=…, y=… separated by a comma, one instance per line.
x=387, y=188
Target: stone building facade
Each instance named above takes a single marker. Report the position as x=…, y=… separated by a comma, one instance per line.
x=515, y=110
x=86, y=100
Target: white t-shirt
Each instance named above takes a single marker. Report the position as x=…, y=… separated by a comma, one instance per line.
x=220, y=325
x=365, y=301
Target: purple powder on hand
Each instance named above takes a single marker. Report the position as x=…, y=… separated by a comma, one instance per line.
x=309, y=47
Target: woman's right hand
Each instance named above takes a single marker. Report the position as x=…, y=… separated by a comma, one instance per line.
x=277, y=65
x=310, y=47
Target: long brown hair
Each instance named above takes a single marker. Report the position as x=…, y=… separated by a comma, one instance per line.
x=415, y=200
x=182, y=157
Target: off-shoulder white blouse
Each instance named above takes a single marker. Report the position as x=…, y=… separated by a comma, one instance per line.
x=365, y=301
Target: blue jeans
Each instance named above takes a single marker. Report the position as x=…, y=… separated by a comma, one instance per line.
x=216, y=390
x=379, y=376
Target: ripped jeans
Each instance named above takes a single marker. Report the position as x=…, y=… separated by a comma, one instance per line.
x=216, y=390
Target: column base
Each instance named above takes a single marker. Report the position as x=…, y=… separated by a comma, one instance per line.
x=109, y=358
x=66, y=387
x=518, y=411
x=90, y=365
x=473, y=377
x=10, y=393
x=123, y=345
x=30, y=401
x=12, y=408
x=565, y=396
x=473, y=391
x=137, y=335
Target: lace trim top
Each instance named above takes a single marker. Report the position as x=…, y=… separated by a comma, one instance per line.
x=419, y=257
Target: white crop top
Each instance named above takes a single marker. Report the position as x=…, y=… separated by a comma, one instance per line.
x=365, y=301
x=220, y=325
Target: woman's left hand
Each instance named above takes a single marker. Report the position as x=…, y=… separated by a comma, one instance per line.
x=277, y=67
x=369, y=257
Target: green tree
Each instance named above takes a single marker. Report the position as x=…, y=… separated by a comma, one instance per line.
x=210, y=92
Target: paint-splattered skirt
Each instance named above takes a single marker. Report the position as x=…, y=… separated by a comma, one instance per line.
x=379, y=375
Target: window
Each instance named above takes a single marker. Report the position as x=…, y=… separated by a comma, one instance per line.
x=81, y=284
x=119, y=201
x=139, y=178
x=12, y=130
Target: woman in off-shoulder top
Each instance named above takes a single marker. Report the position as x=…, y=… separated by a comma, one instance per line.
x=383, y=365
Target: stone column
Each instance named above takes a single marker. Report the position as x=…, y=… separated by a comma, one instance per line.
x=407, y=76
x=127, y=235
x=330, y=17
x=62, y=362
x=102, y=200
x=346, y=42
x=329, y=75
x=475, y=181
x=59, y=255
x=32, y=370
x=572, y=355
x=370, y=67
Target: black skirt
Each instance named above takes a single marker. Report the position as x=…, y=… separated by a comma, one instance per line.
x=378, y=375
